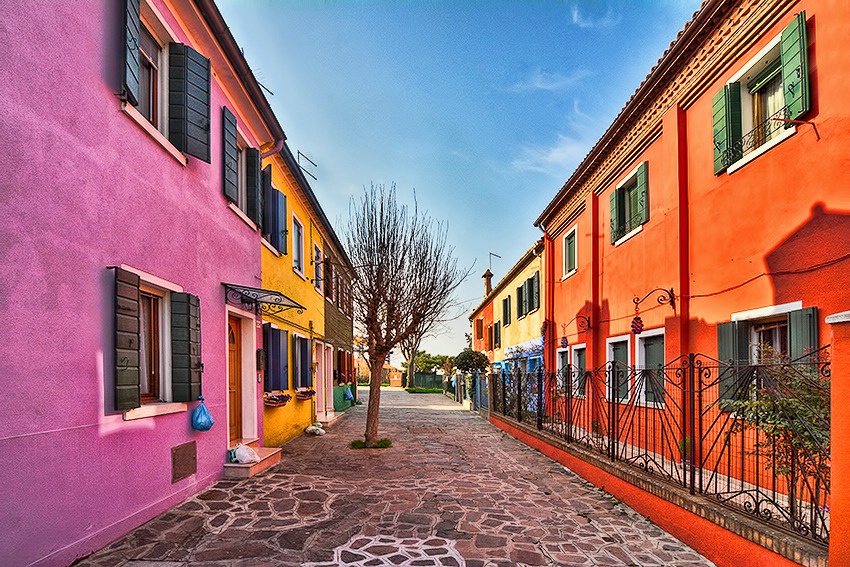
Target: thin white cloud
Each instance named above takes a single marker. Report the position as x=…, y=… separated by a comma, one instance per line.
x=609, y=20
x=539, y=79
x=558, y=159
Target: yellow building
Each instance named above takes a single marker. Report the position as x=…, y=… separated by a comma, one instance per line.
x=299, y=362
x=516, y=335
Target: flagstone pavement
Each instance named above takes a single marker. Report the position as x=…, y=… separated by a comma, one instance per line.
x=452, y=490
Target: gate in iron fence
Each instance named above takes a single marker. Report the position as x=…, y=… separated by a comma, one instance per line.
x=754, y=437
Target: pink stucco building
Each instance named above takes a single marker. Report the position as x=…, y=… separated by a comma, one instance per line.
x=132, y=137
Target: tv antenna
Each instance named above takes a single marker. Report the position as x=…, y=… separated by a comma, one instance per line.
x=303, y=168
x=491, y=259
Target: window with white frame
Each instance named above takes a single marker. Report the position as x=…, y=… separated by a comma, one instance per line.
x=317, y=268
x=297, y=245
x=579, y=370
x=752, y=112
x=151, y=74
x=570, y=252
x=630, y=203
x=157, y=343
x=650, y=366
x=618, y=375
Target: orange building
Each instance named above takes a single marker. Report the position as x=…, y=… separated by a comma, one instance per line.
x=481, y=319
x=713, y=215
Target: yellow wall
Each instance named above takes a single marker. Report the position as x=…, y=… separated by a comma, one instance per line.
x=280, y=424
x=519, y=330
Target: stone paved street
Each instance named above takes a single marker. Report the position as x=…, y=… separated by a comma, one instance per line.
x=452, y=490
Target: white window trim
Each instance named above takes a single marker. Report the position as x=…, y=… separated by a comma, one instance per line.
x=295, y=269
x=568, y=273
x=151, y=131
x=629, y=235
x=640, y=361
x=241, y=214
x=627, y=180
x=609, y=357
x=558, y=365
x=573, y=349
x=153, y=410
x=270, y=248
x=747, y=110
x=768, y=311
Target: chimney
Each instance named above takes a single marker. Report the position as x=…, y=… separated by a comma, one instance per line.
x=488, y=282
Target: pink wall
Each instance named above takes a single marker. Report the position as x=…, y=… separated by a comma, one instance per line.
x=85, y=188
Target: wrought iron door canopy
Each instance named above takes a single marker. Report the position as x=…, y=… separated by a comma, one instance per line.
x=261, y=301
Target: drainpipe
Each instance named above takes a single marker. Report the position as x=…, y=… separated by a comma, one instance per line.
x=278, y=145
x=549, y=300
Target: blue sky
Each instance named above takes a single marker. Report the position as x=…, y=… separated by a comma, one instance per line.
x=485, y=108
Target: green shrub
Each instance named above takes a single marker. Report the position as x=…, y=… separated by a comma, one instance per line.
x=424, y=390
x=380, y=444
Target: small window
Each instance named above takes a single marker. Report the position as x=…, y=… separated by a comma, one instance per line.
x=630, y=203
x=297, y=246
x=497, y=335
x=579, y=370
x=317, y=268
x=151, y=60
x=490, y=337
x=618, y=374
x=506, y=311
x=570, y=259
x=650, y=376
x=151, y=345
x=479, y=329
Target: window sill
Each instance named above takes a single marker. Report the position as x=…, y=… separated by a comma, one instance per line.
x=627, y=236
x=239, y=213
x=151, y=130
x=761, y=149
x=152, y=410
x=299, y=273
x=568, y=275
x=271, y=248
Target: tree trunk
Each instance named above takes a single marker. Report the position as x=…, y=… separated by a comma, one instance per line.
x=410, y=373
x=376, y=368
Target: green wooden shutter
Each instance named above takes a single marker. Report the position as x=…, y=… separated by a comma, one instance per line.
x=308, y=364
x=726, y=119
x=535, y=293
x=132, y=55
x=570, y=245
x=189, y=101
x=282, y=230
x=276, y=342
x=269, y=207
x=186, y=366
x=497, y=332
x=230, y=155
x=733, y=346
x=643, y=192
x=615, y=216
x=296, y=362
x=795, y=70
x=127, y=340
x=254, y=184
x=519, y=301
x=802, y=332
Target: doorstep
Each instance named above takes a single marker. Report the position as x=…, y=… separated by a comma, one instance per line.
x=269, y=456
x=328, y=420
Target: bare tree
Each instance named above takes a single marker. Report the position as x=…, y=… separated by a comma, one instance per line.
x=406, y=277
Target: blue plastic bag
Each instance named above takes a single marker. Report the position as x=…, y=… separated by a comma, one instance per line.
x=201, y=418
x=348, y=396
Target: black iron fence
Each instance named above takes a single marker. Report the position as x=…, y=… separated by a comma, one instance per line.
x=754, y=437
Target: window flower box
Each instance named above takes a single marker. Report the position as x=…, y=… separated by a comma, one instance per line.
x=305, y=394
x=276, y=400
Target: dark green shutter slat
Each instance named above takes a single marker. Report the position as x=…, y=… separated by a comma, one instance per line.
x=127, y=340
x=254, y=185
x=570, y=244
x=643, y=192
x=519, y=312
x=270, y=357
x=795, y=70
x=277, y=369
x=802, y=332
x=132, y=53
x=189, y=101
x=536, y=290
x=269, y=210
x=230, y=155
x=726, y=120
x=307, y=366
x=186, y=364
x=282, y=231
x=615, y=216
x=283, y=371
x=296, y=362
